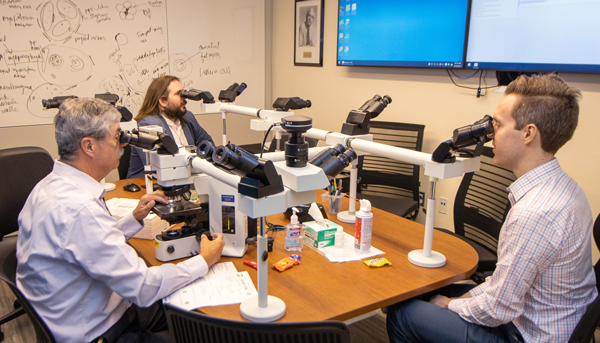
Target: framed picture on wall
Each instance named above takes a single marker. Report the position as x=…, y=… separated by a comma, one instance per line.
x=308, y=33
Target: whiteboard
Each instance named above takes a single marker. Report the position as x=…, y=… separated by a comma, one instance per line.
x=73, y=47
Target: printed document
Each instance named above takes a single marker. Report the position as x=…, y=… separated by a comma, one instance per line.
x=222, y=285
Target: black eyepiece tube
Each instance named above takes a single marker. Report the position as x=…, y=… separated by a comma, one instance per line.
x=472, y=134
x=139, y=139
x=234, y=159
x=56, y=101
x=375, y=105
x=336, y=164
x=197, y=95
x=293, y=103
x=205, y=150
x=147, y=141
x=241, y=88
x=327, y=154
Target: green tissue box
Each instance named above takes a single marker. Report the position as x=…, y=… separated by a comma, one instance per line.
x=318, y=236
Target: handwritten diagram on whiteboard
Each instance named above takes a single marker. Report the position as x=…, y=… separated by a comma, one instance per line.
x=70, y=47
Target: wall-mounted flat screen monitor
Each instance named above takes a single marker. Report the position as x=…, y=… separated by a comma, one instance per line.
x=534, y=35
x=402, y=33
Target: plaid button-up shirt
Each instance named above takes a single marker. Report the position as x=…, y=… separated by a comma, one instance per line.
x=544, y=279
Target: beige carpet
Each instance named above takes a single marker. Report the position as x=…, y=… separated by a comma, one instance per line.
x=369, y=330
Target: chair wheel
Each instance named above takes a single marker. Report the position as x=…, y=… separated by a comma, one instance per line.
x=16, y=305
x=1, y=336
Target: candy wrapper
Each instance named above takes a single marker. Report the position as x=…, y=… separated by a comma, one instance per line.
x=250, y=263
x=287, y=262
x=377, y=262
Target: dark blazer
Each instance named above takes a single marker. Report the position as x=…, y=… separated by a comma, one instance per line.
x=192, y=130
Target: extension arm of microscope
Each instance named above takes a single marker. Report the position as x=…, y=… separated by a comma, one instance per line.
x=263, y=119
x=293, y=194
x=365, y=146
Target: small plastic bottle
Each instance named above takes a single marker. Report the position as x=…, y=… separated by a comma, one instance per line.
x=293, y=233
x=363, y=227
x=339, y=243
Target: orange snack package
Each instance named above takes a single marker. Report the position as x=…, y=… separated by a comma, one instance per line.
x=284, y=264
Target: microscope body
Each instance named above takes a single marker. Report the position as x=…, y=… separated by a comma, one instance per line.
x=224, y=217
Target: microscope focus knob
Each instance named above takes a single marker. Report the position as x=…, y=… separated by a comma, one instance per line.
x=170, y=249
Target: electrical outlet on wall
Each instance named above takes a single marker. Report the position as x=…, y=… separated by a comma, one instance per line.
x=421, y=199
x=443, y=204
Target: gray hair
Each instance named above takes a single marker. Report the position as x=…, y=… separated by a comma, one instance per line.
x=79, y=118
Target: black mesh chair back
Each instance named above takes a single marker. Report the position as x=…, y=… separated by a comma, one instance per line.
x=22, y=168
x=8, y=272
x=480, y=207
x=391, y=185
x=585, y=329
x=193, y=327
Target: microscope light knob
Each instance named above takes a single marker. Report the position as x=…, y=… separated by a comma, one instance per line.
x=170, y=249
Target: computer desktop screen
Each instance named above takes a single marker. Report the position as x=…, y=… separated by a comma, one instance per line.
x=402, y=33
x=534, y=35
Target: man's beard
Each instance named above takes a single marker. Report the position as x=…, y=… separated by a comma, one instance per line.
x=174, y=113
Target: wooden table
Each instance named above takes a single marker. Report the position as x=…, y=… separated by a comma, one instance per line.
x=318, y=289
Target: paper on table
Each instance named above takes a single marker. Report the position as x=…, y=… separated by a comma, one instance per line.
x=153, y=225
x=222, y=285
x=350, y=254
x=119, y=207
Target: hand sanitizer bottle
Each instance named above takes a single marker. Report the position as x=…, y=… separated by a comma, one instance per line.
x=293, y=233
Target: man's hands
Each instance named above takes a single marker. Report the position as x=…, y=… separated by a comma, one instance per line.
x=440, y=300
x=147, y=202
x=443, y=301
x=211, y=250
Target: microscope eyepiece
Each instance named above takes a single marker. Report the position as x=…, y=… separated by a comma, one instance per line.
x=326, y=154
x=231, y=93
x=335, y=164
x=197, y=95
x=235, y=159
x=293, y=103
x=472, y=134
x=206, y=150
x=147, y=141
x=56, y=101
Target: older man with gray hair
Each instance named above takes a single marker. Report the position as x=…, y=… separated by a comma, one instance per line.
x=74, y=264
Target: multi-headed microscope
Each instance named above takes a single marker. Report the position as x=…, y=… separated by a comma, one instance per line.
x=256, y=188
x=225, y=175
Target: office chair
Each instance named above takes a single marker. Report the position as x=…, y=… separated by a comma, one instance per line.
x=193, y=327
x=22, y=168
x=388, y=184
x=8, y=273
x=584, y=331
x=480, y=207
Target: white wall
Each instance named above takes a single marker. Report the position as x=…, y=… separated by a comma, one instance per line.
x=422, y=96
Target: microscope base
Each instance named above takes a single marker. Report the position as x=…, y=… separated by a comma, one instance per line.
x=346, y=217
x=418, y=258
x=274, y=310
x=176, y=248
